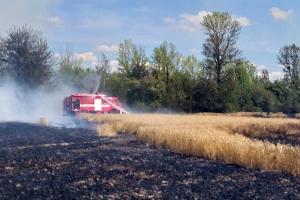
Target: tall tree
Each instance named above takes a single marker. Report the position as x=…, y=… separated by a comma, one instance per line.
x=125, y=55
x=220, y=47
x=133, y=60
x=26, y=56
x=134, y=69
x=166, y=61
x=289, y=57
x=103, y=69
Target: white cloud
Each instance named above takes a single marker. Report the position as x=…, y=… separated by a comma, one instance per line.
x=169, y=20
x=87, y=57
x=114, y=65
x=192, y=22
x=55, y=20
x=244, y=21
x=276, y=75
x=273, y=75
x=279, y=14
x=113, y=48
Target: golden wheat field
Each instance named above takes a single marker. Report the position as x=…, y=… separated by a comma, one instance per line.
x=225, y=138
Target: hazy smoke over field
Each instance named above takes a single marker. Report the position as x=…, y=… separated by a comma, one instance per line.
x=29, y=105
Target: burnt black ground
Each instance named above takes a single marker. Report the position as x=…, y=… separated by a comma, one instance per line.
x=281, y=138
x=59, y=163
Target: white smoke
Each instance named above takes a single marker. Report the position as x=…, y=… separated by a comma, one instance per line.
x=19, y=104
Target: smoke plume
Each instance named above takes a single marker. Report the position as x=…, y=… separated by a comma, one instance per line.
x=29, y=105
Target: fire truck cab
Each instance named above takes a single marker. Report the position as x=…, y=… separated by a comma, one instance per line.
x=92, y=103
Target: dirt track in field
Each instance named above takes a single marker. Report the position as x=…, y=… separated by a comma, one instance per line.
x=59, y=163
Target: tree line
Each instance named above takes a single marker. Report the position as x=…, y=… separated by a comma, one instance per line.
x=223, y=81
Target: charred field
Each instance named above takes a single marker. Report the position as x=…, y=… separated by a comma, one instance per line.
x=39, y=162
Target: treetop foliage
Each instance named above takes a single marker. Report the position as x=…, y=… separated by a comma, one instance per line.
x=220, y=48
x=26, y=57
x=289, y=58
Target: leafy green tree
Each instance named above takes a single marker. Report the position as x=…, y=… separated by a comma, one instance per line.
x=220, y=46
x=143, y=95
x=133, y=60
x=289, y=57
x=263, y=100
x=135, y=68
x=166, y=60
x=140, y=64
x=125, y=56
x=287, y=97
x=192, y=66
x=182, y=89
x=26, y=57
x=238, y=86
x=118, y=84
x=206, y=95
x=183, y=82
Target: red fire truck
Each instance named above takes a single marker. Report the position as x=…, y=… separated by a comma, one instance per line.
x=92, y=103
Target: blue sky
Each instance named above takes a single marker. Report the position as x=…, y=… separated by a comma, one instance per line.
x=94, y=26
